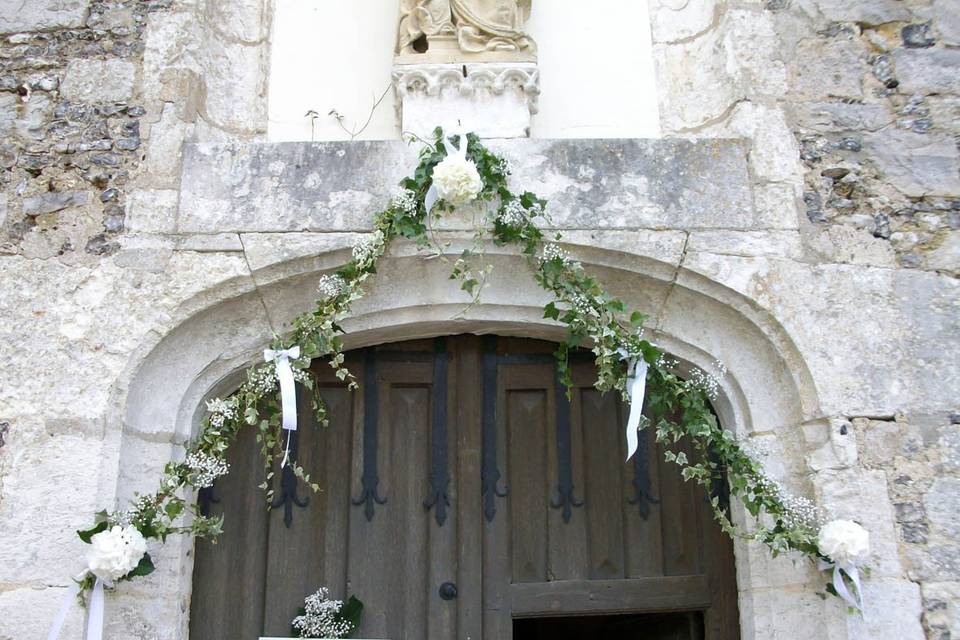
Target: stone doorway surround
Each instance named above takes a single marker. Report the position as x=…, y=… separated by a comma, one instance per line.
x=632, y=211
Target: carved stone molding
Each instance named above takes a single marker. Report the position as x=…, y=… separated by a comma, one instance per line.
x=494, y=99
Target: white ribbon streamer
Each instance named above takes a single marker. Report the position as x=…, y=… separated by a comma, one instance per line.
x=432, y=194
x=288, y=390
x=94, y=615
x=636, y=389
x=840, y=585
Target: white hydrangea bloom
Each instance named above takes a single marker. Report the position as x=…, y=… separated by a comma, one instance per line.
x=844, y=542
x=457, y=180
x=115, y=552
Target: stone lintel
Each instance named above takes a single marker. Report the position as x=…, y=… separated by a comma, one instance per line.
x=590, y=184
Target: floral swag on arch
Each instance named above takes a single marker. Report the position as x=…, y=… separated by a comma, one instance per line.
x=456, y=169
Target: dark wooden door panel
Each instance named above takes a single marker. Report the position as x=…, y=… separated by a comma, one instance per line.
x=569, y=537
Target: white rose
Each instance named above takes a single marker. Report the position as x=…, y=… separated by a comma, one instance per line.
x=844, y=542
x=457, y=180
x=115, y=552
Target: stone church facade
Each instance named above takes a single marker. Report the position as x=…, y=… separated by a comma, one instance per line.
x=798, y=219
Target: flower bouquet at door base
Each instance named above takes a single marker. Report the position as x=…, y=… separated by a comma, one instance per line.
x=844, y=548
x=321, y=618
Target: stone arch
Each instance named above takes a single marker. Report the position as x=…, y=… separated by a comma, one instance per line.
x=768, y=391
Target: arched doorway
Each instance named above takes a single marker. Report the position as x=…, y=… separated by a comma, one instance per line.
x=460, y=463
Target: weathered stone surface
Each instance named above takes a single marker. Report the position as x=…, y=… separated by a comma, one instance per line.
x=946, y=21
x=941, y=603
x=928, y=70
x=40, y=15
x=868, y=12
x=916, y=164
x=942, y=503
x=833, y=67
x=892, y=609
x=52, y=201
x=828, y=117
x=674, y=20
x=98, y=81
x=591, y=183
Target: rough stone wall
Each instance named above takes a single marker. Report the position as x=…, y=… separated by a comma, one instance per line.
x=853, y=110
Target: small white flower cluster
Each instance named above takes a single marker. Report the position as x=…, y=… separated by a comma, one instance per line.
x=799, y=512
x=457, y=180
x=536, y=209
x=845, y=542
x=330, y=286
x=405, y=200
x=554, y=251
x=666, y=362
x=368, y=248
x=709, y=384
x=513, y=214
x=264, y=380
x=504, y=166
x=115, y=552
x=221, y=411
x=205, y=468
x=320, y=618
x=582, y=304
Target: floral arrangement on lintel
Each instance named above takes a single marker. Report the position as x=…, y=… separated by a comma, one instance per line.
x=454, y=171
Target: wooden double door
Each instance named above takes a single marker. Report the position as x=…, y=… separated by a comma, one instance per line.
x=464, y=497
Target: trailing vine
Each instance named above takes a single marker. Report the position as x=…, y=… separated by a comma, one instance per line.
x=593, y=319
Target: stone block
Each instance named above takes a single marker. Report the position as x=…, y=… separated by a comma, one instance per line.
x=946, y=21
x=98, y=81
x=774, y=155
x=928, y=70
x=152, y=211
x=916, y=164
x=830, y=117
x=784, y=244
x=698, y=84
x=863, y=496
x=840, y=450
x=606, y=184
x=41, y=15
x=946, y=256
x=672, y=20
x=866, y=12
x=942, y=503
x=880, y=440
x=892, y=611
x=829, y=67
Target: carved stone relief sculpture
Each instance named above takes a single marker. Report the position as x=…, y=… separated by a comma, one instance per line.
x=461, y=30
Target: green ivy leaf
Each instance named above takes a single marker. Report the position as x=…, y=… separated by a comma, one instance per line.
x=87, y=534
x=144, y=568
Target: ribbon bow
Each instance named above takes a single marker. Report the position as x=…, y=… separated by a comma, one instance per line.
x=432, y=195
x=636, y=388
x=840, y=585
x=288, y=391
x=94, y=617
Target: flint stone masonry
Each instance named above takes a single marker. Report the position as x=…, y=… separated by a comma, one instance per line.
x=590, y=183
x=38, y=15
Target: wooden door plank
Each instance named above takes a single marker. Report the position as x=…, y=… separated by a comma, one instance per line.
x=525, y=407
x=567, y=548
x=681, y=544
x=497, y=619
x=467, y=498
x=577, y=597
x=644, y=549
x=296, y=554
x=604, y=488
x=229, y=576
x=442, y=539
x=341, y=404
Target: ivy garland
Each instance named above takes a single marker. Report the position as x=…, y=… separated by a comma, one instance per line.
x=593, y=318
